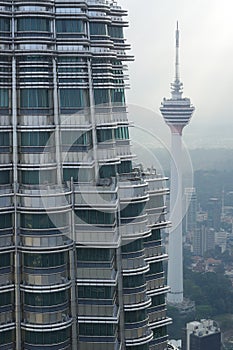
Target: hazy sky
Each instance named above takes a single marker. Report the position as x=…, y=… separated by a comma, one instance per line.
x=206, y=56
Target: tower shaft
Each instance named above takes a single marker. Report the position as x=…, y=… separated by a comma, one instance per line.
x=175, y=266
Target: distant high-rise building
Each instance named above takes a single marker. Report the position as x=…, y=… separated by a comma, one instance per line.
x=81, y=260
x=177, y=112
x=204, y=335
x=221, y=240
x=203, y=239
x=214, y=209
x=190, y=218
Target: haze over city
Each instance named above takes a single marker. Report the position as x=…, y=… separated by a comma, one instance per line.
x=206, y=52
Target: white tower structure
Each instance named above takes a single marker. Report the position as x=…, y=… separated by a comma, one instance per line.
x=177, y=112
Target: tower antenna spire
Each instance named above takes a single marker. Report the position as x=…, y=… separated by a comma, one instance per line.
x=177, y=52
x=177, y=86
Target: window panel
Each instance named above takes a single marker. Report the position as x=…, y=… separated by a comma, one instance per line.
x=46, y=337
x=94, y=254
x=4, y=24
x=37, y=24
x=104, y=135
x=45, y=260
x=4, y=98
x=69, y=26
x=115, y=32
x=43, y=221
x=5, y=177
x=35, y=98
x=6, y=220
x=35, y=177
x=73, y=98
x=94, y=217
x=118, y=96
x=46, y=299
x=95, y=292
x=97, y=329
x=101, y=96
x=98, y=29
x=134, y=281
x=135, y=316
x=124, y=167
x=33, y=138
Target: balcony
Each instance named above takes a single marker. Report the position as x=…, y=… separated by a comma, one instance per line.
x=95, y=236
x=132, y=190
x=90, y=309
x=102, y=196
x=51, y=198
x=135, y=229
x=78, y=157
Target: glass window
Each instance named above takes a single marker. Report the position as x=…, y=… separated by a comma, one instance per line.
x=78, y=175
x=70, y=59
x=4, y=24
x=135, y=316
x=46, y=299
x=5, y=177
x=158, y=300
x=4, y=138
x=94, y=217
x=95, y=254
x=4, y=98
x=34, y=138
x=133, y=247
x=45, y=260
x=73, y=98
x=43, y=221
x=138, y=347
x=69, y=26
x=115, y=32
x=118, y=96
x=104, y=135
x=46, y=337
x=133, y=210
x=37, y=24
x=76, y=138
x=160, y=332
x=35, y=98
x=34, y=177
x=122, y=133
x=97, y=329
x=155, y=268
x=7, y=337
x=6, y=220
x=124, y=167
x=101, y=96
x=5, y=260
x=95, y=292
x=107, y=171
x=6, y=298
x=134, y=281
x=155, y=236
x=98, y=29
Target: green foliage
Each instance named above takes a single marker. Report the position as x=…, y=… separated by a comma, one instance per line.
x=212, y=292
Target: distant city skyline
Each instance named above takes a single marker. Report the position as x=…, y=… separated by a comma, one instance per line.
x=206, y=56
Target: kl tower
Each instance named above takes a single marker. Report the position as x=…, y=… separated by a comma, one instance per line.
x=177, y=112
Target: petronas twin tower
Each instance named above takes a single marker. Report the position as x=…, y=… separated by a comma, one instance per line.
x=81, y=261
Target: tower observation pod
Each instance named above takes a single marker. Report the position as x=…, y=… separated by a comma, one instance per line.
x=177, y=112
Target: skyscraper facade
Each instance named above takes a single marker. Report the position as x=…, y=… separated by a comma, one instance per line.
x=191, y=210
x=203, y=335
x=81, y=261
x=177, y=112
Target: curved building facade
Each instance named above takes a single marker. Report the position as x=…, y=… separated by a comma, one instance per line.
x=80, y=247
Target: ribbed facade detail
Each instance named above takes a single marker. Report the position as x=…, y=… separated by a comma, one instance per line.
x=81, y=261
